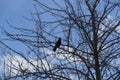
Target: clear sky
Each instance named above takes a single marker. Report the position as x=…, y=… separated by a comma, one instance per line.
x=13, y=12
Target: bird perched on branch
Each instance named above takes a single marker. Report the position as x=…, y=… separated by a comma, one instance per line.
x=57, y=44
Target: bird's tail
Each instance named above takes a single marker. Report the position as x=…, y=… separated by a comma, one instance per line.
x=54, y=49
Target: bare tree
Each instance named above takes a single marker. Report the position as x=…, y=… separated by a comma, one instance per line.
x=90, y=41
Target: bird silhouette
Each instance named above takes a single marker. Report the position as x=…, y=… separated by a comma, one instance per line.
x=57, y=44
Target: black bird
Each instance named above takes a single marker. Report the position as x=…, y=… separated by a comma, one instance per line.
x=57, y=45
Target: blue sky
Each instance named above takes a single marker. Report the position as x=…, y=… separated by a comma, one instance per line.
x=13, y=12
